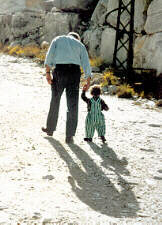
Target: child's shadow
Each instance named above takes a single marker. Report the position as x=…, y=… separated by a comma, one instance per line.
x=93, y=187
x=110, y=159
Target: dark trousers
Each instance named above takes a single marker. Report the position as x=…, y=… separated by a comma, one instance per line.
x=65, y=76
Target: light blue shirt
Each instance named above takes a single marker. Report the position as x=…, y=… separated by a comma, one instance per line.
x=68, y=50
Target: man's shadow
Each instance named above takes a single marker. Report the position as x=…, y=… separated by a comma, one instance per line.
x=93, y=187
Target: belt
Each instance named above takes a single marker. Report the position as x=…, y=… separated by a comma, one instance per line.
x=67, y=66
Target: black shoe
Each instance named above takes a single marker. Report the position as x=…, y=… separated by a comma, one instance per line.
x=49, y=133
x=88, y=139
x=103, y=139
x=69, y=140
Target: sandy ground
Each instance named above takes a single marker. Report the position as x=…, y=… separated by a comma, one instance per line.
x=45, y=181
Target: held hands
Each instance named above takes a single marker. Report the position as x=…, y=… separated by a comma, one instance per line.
x=48, y=78
x=87, y=85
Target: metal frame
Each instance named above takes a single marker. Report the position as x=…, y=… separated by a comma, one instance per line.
x=124, y=36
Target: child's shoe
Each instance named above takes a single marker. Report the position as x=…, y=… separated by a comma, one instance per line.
x=103, y=139
x=88, y=139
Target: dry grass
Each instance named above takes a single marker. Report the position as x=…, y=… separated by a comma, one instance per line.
x=96, y=62
x=31, y=51
x=109, y=79
x=125, y=91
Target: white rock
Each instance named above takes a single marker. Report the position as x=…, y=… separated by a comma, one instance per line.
x=148, y=52
x=72, y=4
x=59, y=24
x=9, y=6
x=154, y=17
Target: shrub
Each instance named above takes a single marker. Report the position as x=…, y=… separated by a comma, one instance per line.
x=96, y=62
x=109, y=79
x=125, y=91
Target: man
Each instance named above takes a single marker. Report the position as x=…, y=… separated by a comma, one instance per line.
x=66, y=54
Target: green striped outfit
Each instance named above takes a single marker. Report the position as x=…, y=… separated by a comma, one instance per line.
x=95, y=119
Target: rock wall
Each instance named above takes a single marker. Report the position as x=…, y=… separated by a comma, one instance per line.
x=38, y=20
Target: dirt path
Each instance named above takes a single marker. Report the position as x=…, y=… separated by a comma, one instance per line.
x=45, y=181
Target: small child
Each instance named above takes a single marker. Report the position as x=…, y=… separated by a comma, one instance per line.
x=95, y=118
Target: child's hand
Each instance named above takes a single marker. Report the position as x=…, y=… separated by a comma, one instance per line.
x=84, y=88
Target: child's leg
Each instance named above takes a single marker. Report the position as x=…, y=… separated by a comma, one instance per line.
x=89, y=128
x=101, y=128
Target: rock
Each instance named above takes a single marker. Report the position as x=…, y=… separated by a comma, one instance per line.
x=154, y=17
x=95, y=69
x=92, y=39
x=5, y=28
x=9, y=6
x=48, y=177
x=72, y=5
x=159, y=103
x=107, y=46
x=106, y=6
x=148, y=52
x=112, y=89
x=59, y=23
x=26, y=25
x=44, y=45
x=48, y=5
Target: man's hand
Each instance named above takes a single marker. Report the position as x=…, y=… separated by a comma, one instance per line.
x=87, y=85
x=48, y=78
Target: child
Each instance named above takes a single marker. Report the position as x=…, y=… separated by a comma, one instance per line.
x=95, y=118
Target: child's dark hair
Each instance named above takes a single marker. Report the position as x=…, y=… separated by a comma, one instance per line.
x=95, y=91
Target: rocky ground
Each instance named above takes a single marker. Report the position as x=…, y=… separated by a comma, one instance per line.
x=45, y=181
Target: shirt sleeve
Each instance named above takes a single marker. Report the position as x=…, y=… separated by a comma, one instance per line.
x=49, y=60
x=104, y=106
x=85, y=62
x=83, y=96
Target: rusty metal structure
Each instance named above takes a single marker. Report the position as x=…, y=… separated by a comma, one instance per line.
x=124, y=35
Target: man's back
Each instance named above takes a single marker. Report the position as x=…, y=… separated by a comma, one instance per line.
x=67, y=50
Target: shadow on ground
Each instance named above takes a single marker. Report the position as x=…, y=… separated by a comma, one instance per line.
x=93, y=187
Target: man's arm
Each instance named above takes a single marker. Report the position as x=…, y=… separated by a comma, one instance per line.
x=49, y=61
x=86, y=67
x=48, y=74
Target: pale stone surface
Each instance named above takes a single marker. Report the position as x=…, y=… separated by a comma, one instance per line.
x=148, y=52
x=107, y=46
x=5, y=28
x=26, y=26
x=154, y=17
x=106, y=6
x=118, y=183
x=59, y=23
x=10, y=6
x=92, y=39
x=72, y=4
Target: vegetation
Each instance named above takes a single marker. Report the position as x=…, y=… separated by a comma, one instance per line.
x=96, y=62
x=31, y=51
x=125, y=91
x=144, y=85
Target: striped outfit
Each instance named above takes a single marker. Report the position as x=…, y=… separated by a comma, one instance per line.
x=95, y=119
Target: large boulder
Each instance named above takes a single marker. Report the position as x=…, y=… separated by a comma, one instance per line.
x=27, y=26
x=154, y=17
x=5, y=28
x=107, y=47
x=148, y=52
x=104, y=7
x=72, y=4
x=58, y=23
x=92, y=40
x=9, y=6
